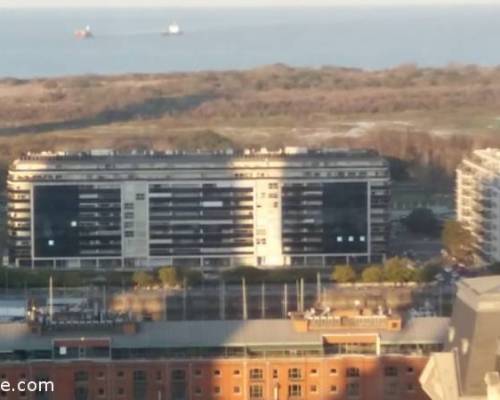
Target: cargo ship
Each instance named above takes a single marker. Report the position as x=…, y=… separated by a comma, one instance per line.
x=85, y=33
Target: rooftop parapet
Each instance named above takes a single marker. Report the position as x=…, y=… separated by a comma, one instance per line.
x=346, y=319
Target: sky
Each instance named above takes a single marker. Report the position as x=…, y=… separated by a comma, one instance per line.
x=233, y=3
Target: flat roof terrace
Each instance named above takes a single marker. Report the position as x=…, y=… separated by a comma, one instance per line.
x=212, y=334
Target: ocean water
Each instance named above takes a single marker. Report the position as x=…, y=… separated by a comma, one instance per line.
x=41, y=42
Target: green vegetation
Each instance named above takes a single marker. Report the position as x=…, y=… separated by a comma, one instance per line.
x=344, y=274
x=21, y=278
x=373, y=274
x=398, y=270
x=457, y=240
x=428, y=272
x=143, y=279
x=422, y=221
x=395, y=270
x=394, y=111
x=169, y=277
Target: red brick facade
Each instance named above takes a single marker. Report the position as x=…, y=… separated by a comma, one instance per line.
x=347, y=377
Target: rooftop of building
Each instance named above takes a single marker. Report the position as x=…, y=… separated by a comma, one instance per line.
x=487, y=159
x=180, y=334
x=295, y=153
x=482, y=285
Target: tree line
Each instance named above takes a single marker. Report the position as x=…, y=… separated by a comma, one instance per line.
x=394, y=270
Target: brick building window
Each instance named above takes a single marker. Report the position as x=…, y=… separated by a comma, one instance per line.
x=333, y=371
x=256, y=373
x=275, y=374
x=44, y=395
x=391, y=389
x=294, y=373
x=410, y=387
x=295, y=390
x=352, y=389
x=236, y=372
x=391, y=371
x=216, y=372
x=313, y=389
x=217, y=390
x=197, y=372
x=236, y=390
x=178, y=375
x=333, y=389
x=197, y=391
x=139, y=381
x=81, y=376
x=256, y=392
x=81, y=393
x=352, y=372
x=410, y=370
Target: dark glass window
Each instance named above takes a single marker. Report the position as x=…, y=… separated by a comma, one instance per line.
x=345, y=219
x=56, y=211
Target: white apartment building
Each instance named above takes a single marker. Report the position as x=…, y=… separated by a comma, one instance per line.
x=103, y=209
x=478, y=201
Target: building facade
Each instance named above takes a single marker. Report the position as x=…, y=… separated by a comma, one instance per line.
x=108, y=210
x=220, y=360
x=478, y=201
x=469, y=367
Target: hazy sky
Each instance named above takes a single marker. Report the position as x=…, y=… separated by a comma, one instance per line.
x=232, y=3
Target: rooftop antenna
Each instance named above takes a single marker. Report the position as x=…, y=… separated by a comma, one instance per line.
x=244, y=297
x=285, y=300
x=222, y=300
x=184, y=299
x=301, y=294
x=318, y=287
x=263, y=300
x=51, y=299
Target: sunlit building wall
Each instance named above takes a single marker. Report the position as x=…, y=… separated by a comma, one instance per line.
x=478, y=201
x=108, y=210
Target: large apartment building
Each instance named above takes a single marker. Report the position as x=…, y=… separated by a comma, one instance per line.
x=337, y=356
x=478, y=201
x=103, y=209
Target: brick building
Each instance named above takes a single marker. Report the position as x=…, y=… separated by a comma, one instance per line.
x=320, y=358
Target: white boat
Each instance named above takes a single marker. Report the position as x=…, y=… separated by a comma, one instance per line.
x=172, y=30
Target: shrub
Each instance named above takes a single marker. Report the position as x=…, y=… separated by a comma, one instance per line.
x=344, y=274
x=373, y=273
x=143, y=278
x=168, y=276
